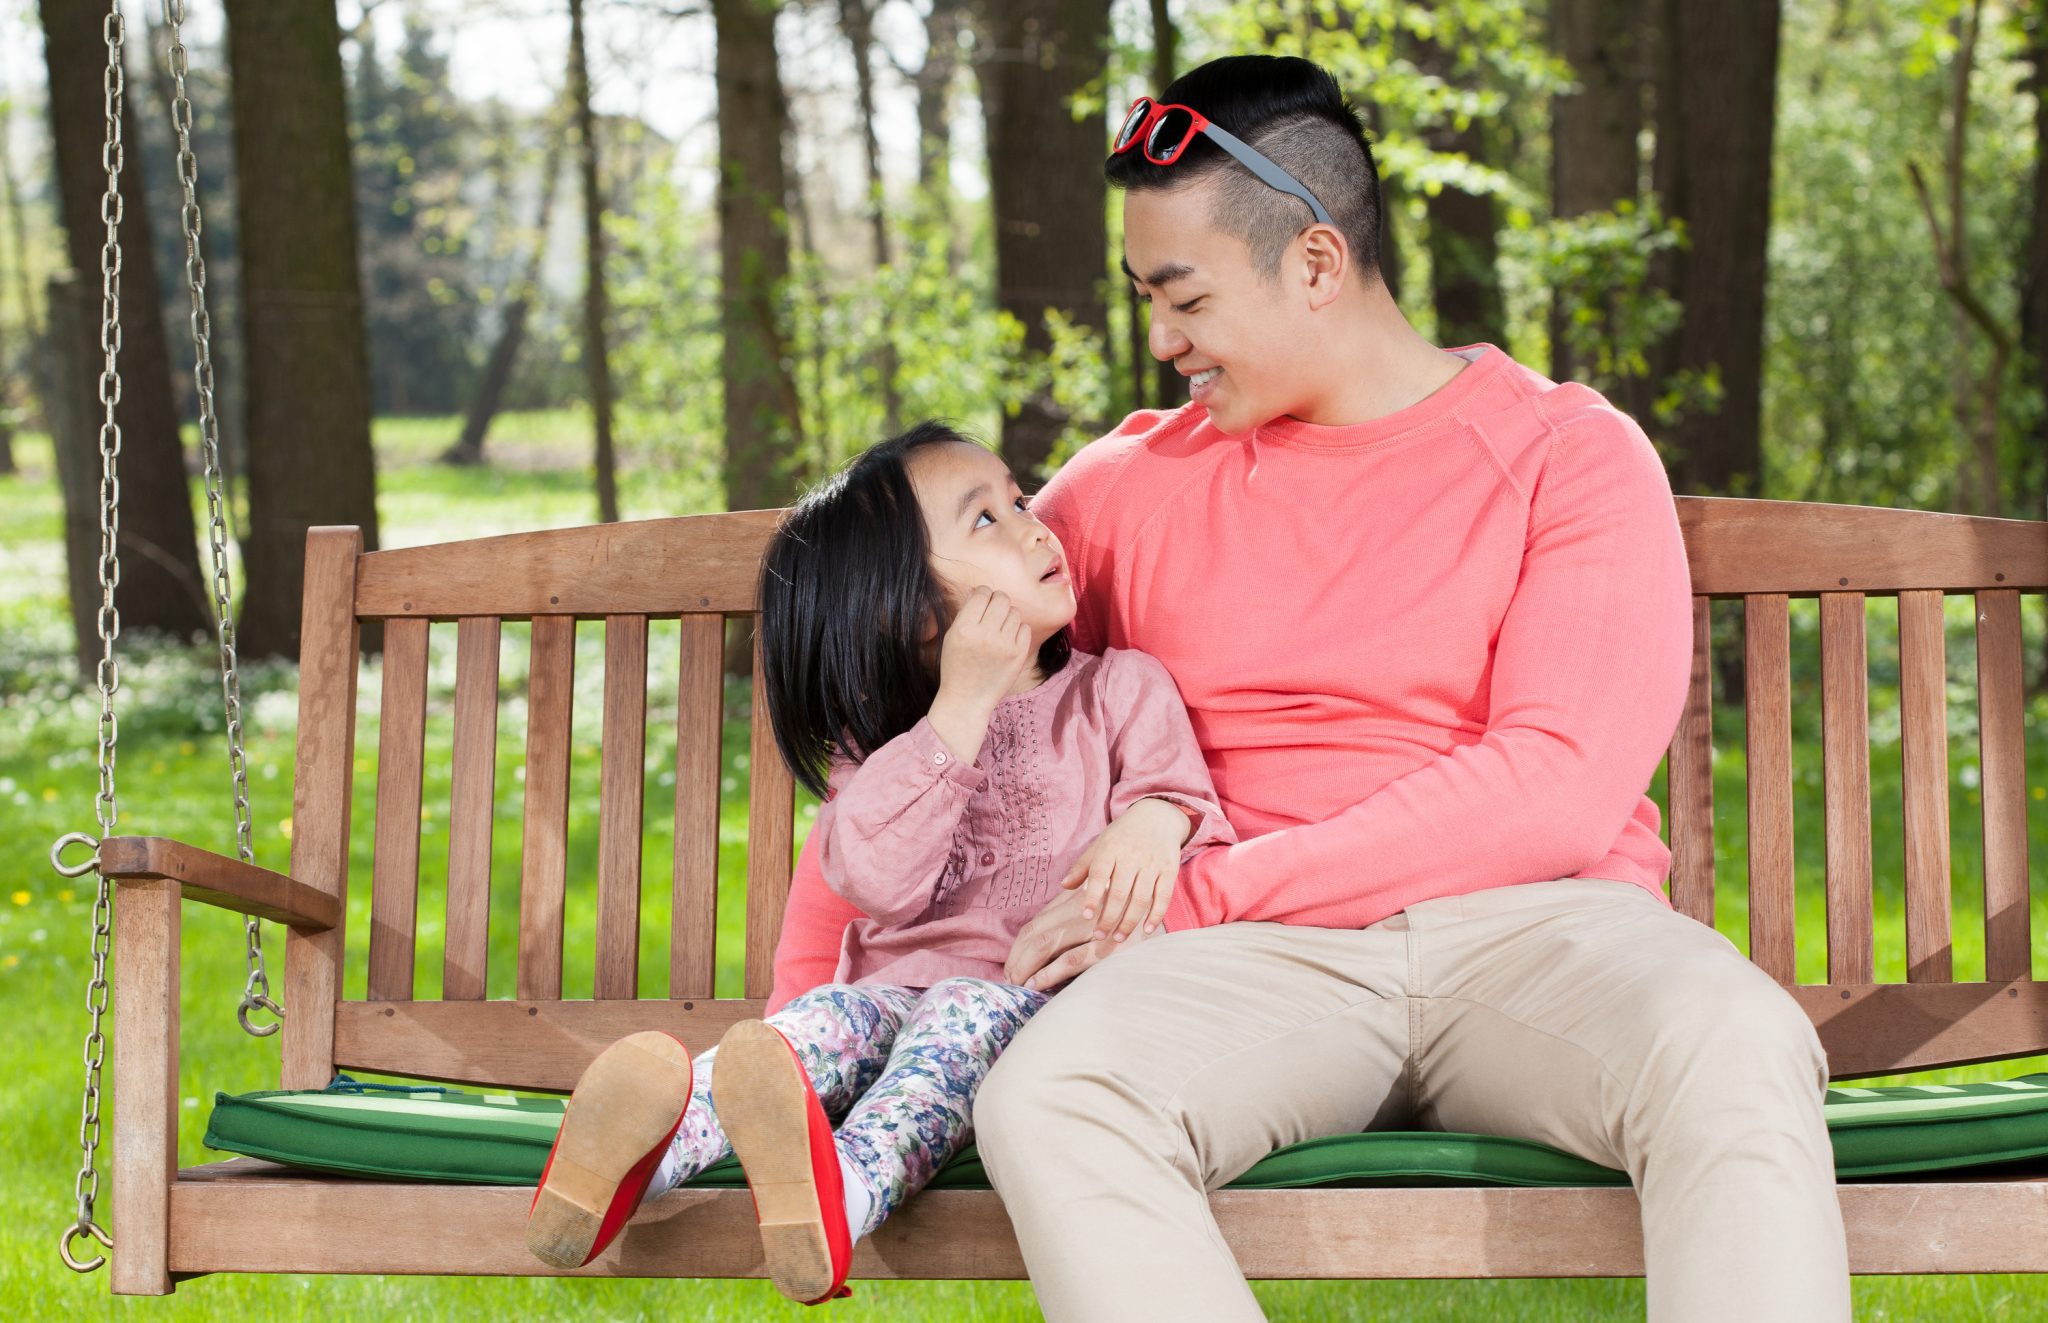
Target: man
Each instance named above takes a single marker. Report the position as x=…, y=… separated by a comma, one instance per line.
x=1430, y=614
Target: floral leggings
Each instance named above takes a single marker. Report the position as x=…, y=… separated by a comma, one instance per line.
x=899, y=1066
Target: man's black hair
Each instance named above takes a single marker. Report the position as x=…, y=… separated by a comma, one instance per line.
x=847, y=590
x=1292, y=111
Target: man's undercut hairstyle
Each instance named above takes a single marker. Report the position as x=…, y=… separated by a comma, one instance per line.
x=1291, y=110
x=846, y=594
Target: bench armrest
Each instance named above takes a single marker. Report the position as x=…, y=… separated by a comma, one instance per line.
x=219, y=880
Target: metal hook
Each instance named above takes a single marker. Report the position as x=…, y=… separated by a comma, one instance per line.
x=74, y=838
x=73, y=1232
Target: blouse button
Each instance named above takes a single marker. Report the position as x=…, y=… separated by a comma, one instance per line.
x=938, y=758
x=987, y=857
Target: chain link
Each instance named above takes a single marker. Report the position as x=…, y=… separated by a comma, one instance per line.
x=256, y=992
x=106, y=810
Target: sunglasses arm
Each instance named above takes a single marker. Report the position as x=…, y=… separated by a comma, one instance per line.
x=1269, y=173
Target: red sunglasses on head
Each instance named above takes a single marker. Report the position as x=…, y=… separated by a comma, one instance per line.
x=1164, y=131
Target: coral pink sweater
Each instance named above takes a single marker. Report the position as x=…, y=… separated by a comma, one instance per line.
x=1425, y=655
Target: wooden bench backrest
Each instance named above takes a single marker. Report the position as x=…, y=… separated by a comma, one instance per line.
x=700, y=569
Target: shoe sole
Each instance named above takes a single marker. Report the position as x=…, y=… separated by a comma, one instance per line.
x=763, y=1101
x=626, y=1104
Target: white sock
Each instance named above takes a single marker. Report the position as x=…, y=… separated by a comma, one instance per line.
x=666, y=1175
x=858, y=1200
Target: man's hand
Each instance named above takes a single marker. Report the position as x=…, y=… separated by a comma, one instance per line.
x=1056, y=945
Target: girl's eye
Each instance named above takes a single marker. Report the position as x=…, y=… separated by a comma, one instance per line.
x=1018, y=502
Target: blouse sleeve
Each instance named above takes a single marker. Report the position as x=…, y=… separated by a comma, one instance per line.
x=1155, y=752
x=886, y=827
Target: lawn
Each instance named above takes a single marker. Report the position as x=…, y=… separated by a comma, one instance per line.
x=173, y=781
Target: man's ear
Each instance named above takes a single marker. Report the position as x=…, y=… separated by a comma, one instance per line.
x=1325, y=264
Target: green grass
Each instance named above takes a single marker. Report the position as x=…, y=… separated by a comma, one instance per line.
x=173, y=775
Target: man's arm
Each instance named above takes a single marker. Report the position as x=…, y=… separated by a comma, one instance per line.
x=1589, y=677
x=813, y=930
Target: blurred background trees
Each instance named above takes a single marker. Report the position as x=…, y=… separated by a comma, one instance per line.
x=722, y=244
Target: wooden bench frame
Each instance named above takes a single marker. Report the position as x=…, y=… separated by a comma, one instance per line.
x=247, y=1216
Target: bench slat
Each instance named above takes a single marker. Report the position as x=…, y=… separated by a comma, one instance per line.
x=1845, y=772
x=395, y=870
x=700, y=716
x=1690, y=780
x=1964, y=1223
x=771, y=824
x=544, y=855
x=1767, y=663
x=621, y=796
x=1923, y=721
x=330, y=649
x=2001, y=702
x=472, y=785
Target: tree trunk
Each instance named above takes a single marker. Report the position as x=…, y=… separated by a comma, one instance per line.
x=856, y=21
x=1170, y=390
x=490, y=392
x=1046, y=185
x=1594, y=161
x=596, y=350
x=2034, y=280
x=763, y=428
x=1463, y=234
x=935, y=117
x=1714, y=122
x=308, y=367
x=160, y=583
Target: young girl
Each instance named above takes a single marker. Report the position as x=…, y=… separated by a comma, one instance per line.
x=918, y=678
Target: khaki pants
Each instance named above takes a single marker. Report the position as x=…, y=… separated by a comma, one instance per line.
x=1579, y=1013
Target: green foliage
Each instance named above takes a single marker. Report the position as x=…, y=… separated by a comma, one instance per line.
x=958, y=357
x=411, y=135
x=1598, y=267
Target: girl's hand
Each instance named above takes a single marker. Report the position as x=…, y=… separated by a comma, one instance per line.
x=1127, y=873
x=985, y=652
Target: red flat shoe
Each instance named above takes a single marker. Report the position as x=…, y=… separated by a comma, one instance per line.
x=783, y=1141
x=625, y=1109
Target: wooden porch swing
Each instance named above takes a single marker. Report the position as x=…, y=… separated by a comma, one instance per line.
x=174, y=1223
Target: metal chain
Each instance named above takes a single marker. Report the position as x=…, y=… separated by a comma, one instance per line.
x=88, y=1183
x=256, y=992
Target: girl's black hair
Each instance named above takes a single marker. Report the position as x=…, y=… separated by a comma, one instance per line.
x=846, y=592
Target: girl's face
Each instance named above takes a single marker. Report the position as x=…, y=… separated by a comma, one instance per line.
x=982, y=536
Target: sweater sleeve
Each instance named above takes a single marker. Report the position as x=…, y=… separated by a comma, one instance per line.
x=813, y=929
x=1590, y=668
x=1154, y=752
x=886, y=828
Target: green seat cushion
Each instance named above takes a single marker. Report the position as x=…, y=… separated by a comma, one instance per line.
x=439, y=1134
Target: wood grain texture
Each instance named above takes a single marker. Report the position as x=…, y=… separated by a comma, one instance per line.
x=144, y=1137
x=1690, y=779
x=332, y=1224
x=218, y=880
x=329, y=646
x=1767, y=707
x=655, y=567
x=1923, y=756
x=2001, y=704
x=544, y=856
x=771, y=827
x=471, y=804
x=516, y=1044
x=401, y=752
x=620, y=806
x=1737, y=546
x=700, y=716
x=1845, y=775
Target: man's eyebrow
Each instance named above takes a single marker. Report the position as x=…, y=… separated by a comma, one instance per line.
x=1165, y=275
